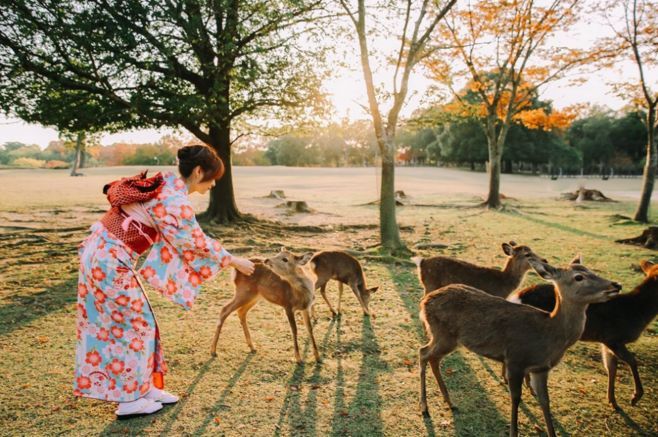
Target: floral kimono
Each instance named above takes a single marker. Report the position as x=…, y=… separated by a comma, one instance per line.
x=118, y=353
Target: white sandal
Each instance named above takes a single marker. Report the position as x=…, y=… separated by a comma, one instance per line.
x=138, y=408
x=161, y=396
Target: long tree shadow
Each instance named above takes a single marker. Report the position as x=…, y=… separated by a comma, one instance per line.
x=363, y=416
x=478, y=416
x=173, y=416
x=302, y=421
x=533, y=219
x=22, y=309
x=219, y=405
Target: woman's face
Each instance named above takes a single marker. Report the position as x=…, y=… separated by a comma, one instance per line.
x=195, y=184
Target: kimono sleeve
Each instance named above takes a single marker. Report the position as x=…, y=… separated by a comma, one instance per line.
x=185, y=256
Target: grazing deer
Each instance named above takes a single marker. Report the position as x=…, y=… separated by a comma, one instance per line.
x=284, y=280
x=439, y=271
x=614, y=324
x=345, y=269
x=526, y=339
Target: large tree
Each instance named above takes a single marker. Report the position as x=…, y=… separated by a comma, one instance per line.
x=635, y=38
x=197, y=64
x=504, y=49
x=418, y=22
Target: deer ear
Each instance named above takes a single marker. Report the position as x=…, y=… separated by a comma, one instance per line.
x=646, y=266
x=512, y=243
x=544, y=270
x=508, y=249
x=304, y=258
x=283, y=249
x=373, y=289
x=578, y=259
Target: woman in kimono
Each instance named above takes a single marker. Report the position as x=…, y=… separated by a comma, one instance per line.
x=119, y=357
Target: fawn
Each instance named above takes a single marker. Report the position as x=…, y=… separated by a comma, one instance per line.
x=283, y=280
x=526, y=339
x=614, y=324
x=439, y=271
x=345, y=269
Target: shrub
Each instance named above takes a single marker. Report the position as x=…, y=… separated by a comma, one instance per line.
x=57, y=164
x=28, y=163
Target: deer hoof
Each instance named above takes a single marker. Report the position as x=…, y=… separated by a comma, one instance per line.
x=213, y=354
x=636, y=398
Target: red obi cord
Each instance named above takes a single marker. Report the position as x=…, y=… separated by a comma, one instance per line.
x=137, y=236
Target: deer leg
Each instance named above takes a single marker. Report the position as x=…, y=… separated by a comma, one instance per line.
x=515, y=383
x=539, y=383
x=324, y=296
x=423, y=358
x=433, y=353
x=239, y=299
x=309, y=328
x=610, y=364
x=242, y=314
x=357, y=293
x=340, y=295
x=293, y=327
x=628, y=357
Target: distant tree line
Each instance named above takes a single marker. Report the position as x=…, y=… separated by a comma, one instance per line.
x=593, y=144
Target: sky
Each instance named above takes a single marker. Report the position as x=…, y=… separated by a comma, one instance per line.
x=347, y=93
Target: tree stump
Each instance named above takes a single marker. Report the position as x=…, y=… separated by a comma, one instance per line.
x=586, y=194
x=648, y=239
x=297, y=206
x=277, y=194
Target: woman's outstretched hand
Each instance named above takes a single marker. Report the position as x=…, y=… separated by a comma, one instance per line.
x=243, y=265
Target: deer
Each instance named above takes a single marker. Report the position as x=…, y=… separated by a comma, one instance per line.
x=439, y=271
x=345, y=269
x=284, y=280
x=526, y=339
x=614, y=324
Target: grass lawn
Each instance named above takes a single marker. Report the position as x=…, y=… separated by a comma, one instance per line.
x=367, y=383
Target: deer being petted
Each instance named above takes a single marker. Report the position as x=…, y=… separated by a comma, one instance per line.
x=285, y=280
x=345, y=269
x=439, y=271
x=527, y=340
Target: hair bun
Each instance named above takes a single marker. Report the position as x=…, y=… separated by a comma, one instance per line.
x=185, y=153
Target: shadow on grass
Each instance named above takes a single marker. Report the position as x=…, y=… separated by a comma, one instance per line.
x=184, y=398
x=302, y=420
x=363, y=415
x=219, y=405
x=22, y=309
x=559, y=226
x=479, y=416
x=634, y=425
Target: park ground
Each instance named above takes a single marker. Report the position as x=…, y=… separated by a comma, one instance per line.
x=367, y=383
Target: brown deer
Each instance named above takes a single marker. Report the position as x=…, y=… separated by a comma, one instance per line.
x=614, y=324
x=283, y=280
x=345, y=269
x=439, y=271
x=526, y=339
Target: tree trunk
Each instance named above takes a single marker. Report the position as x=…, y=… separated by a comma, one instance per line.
x=83, y=155
x=649, y=175
x=77, y=160
x=495, y=155
x=222, y=207
x=388, y=226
